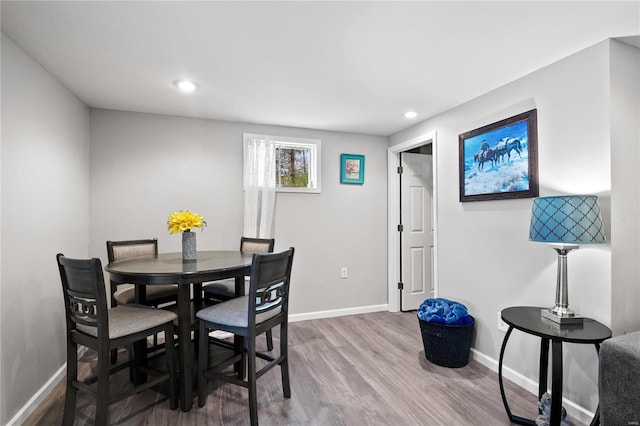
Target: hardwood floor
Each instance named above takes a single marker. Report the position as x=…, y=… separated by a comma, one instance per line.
x=354, y=370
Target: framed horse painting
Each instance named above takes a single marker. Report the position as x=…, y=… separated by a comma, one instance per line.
x=499, y=161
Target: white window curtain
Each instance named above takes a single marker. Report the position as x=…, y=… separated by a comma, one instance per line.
x=260, y=188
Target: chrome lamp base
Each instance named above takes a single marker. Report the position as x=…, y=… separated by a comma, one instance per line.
x=561, y=318
x=561, y=313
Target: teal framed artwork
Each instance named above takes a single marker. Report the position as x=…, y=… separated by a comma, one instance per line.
x=352, y=168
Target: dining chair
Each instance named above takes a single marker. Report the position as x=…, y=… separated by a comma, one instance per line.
x=124, y=294
x=223, y=290
x=91, y=324
x=264, y=307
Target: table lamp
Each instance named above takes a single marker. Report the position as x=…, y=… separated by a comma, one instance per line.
x=565, y=222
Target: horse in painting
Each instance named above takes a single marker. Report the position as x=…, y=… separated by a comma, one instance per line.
x=484, y=156
x=505, y=146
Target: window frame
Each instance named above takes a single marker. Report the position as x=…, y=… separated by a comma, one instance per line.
x=315, y=146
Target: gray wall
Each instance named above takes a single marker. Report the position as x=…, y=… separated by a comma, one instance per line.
x=45, y=210
x=625, y=175
x=145, y=166
x=485, y=258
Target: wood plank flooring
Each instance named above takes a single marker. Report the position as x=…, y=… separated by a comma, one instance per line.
x=354, y=370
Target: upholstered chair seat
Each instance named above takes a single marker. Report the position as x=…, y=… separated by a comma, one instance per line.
x=131, y=319
x=126, y=293
x=619, y=380
x=224, y=289
x=234, y=313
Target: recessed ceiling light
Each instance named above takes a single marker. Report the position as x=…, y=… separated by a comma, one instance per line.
x=410, y=114
x=185, y=85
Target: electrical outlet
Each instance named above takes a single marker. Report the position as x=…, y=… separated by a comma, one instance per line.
x=343, y=272
x=502, y=326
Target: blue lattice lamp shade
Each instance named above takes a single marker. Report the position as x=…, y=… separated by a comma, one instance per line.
x=566, y=219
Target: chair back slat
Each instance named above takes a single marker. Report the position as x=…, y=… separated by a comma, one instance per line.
x=270, y=298
x=269, y=283
x=84, y=293
x=83, y=310
x=117, y=250
x=256, y=245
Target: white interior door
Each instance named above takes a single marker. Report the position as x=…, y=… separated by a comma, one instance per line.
x=417, y=229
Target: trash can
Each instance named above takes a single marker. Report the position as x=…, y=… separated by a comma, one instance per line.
x=447, y=345
x=447, y=330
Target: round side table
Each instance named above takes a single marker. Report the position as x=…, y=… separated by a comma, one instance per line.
x=528, y=320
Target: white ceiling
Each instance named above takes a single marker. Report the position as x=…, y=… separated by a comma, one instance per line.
x=344, y=66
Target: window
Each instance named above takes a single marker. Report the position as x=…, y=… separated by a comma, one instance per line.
x=297, y=162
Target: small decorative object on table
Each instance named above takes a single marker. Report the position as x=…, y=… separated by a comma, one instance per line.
x=184, y=221
x=544, y=410
x=447, y=329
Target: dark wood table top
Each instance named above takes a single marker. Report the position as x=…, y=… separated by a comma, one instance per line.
x=169, y=268
x=529, y=320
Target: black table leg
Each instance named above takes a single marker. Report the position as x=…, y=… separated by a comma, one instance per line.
x=556, y=383
x=139, y=347
x=504, y=345
x=544, y=367
x=512, y=418
x=185, y=352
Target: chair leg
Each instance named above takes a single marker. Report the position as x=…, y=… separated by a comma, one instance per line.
x=196, y=338
x=269, y=334
x=114, y=351
x=251, y=380
x=102, y=397
x=138, y=359
x=170, y=353
x=72, y=376
x=203, y=347
x=284, y=364
x=239, y=346
x=134, y=374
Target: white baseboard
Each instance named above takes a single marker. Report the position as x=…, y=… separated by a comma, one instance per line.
x=573, y=410
x=42, y=393
x=338, y=312
x=22, y=415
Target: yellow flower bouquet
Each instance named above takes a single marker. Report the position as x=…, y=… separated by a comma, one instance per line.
x=184, y=221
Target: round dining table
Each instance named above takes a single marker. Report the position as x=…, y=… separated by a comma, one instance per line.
x=169, y=268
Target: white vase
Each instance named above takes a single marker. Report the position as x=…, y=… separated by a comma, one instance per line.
x=189, y=250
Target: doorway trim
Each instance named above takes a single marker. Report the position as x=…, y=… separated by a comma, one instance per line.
x=393, y=214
